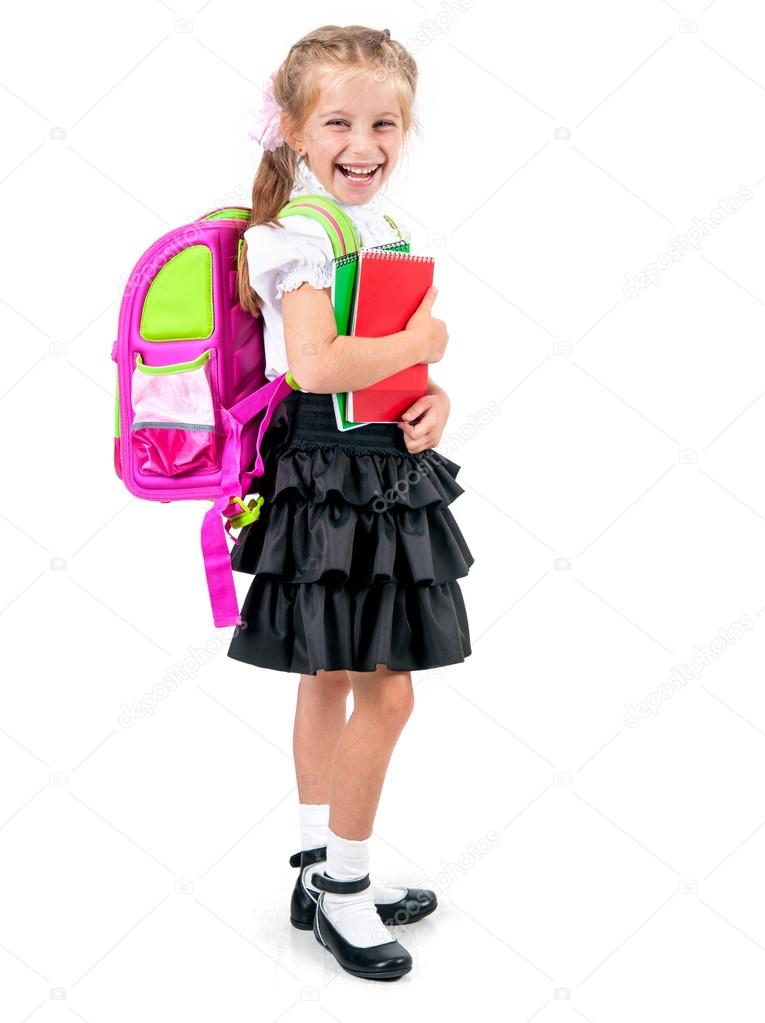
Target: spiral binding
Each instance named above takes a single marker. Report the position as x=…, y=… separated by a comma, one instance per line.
x=387, y=245
x=351, y=256
x=383, y=254
x=342, y=260
x=377, y=254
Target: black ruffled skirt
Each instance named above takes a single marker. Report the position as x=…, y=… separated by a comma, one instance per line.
x=355, y=555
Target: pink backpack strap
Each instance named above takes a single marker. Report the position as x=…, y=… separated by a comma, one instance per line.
x=267, y=397
x=220, y=575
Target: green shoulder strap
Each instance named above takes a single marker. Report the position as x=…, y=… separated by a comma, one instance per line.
x=340, y=228
x=333, y=218
x=335, y=221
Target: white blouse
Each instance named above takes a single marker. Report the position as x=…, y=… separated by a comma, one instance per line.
x=281, y=259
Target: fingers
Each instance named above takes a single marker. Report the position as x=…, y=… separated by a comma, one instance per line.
x=419, y=437
x=429, y=298
x=425, y=425
x=422, y=404
x=423, y=411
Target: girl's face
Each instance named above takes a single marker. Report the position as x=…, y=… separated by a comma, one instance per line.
x=352, y=139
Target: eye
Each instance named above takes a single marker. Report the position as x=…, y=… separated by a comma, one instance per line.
x=337, y=120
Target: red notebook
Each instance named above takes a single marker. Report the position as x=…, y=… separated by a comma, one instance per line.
x=389, y=287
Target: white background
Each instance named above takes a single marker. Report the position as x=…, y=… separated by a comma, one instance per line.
x=589, y=864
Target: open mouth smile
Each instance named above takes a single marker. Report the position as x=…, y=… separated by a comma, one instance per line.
x=357, y=173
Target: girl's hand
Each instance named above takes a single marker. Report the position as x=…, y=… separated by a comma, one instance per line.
x=431, y=413
x=430, y=331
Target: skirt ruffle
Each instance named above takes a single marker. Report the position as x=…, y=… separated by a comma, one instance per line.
x=377, y=478
x=355, y=558
x=334, y=541
x=304, y=628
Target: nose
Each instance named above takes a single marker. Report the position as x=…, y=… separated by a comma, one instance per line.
x=362, y=143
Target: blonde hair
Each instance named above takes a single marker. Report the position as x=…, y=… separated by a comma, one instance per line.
x=344, y=53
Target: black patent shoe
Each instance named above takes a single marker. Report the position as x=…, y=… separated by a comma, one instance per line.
x=417, y=903
x=303, y=902
x=414, y=905
x=387, y=961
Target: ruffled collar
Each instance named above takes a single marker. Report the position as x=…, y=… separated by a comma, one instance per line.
x=307, y=182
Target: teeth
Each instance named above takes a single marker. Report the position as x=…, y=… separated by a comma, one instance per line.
x=359, y=170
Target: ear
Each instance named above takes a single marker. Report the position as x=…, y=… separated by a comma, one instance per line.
x=293, y=139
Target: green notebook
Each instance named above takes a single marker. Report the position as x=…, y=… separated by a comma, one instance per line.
x=343, y=283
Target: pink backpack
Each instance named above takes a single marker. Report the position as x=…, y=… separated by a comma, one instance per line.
x=193, y=403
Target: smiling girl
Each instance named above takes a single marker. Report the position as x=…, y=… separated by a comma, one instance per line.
x=356, y=554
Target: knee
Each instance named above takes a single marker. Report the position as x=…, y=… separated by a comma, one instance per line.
x=332, y=685
x=396, y=698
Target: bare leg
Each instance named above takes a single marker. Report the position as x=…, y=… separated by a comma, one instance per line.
x=382, y=703
x=383, y=700
x=319, y=722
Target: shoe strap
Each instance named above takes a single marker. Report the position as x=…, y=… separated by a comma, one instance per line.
x=330, y=884
x=306, y=856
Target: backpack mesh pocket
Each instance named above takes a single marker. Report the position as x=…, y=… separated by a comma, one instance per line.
x=173, y=432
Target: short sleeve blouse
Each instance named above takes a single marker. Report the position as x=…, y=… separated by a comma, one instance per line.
x=280, y=259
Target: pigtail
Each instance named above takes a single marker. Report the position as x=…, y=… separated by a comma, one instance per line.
x=270, y=193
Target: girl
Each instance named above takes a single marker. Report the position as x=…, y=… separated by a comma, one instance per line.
x=356, y=554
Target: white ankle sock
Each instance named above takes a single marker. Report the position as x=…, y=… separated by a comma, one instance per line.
x=314, y=823
x=353, y=915
x=314, y=820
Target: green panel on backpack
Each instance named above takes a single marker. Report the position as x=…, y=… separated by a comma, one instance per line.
x=179, y=302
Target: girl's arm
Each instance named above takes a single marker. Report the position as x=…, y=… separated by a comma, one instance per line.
x=323, y=361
